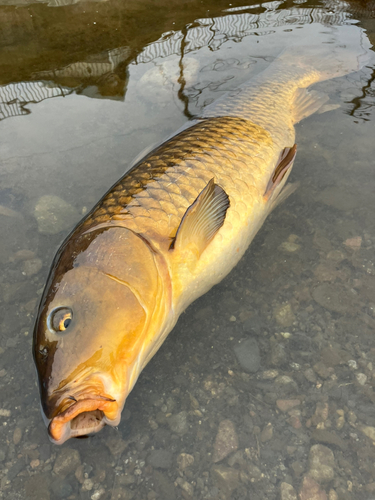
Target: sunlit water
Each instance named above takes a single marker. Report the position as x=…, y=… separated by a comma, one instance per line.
x=86, y=87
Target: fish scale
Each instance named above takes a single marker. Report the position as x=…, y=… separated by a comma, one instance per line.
x=159, y=189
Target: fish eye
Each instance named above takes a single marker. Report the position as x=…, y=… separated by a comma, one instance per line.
x=60, y=319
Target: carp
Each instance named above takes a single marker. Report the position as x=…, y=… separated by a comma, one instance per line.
x=171, y=228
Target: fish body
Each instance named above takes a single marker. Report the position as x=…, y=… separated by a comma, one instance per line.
x=164, y=234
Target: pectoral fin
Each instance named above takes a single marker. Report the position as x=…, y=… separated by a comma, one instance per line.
x=284, y=164
x=202, y=219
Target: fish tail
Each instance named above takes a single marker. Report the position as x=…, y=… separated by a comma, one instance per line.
x=332, y=52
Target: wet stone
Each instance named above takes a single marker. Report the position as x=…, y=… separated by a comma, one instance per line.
x=248, y=355
x=116, y=445
x=54, y=214
x=36, y=488
x=61, y=489
x=66, y=462
x=266, y=433
x=31, y=267
x=333, y=298
x=225, y=477
x=287, y=404
x=178, y=423
x=321, y=369
x=284, y=315
x=15, y=469
x=329, y=437
x=310, y=490
x=277, y=356
x=226, y=441
x=17, y=435
x=160, y=459
x=287, y=492
x=184, y=461
x=322, y=463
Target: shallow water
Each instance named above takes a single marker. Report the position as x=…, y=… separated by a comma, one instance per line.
x=86, y=87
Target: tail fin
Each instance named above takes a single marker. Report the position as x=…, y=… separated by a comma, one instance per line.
x=332, y=51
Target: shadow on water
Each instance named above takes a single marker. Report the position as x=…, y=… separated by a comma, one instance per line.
x=89, y=85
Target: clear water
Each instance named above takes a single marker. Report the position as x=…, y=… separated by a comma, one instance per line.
x=86, y=87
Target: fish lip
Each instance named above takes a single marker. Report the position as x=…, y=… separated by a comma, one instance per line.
x=97, y=410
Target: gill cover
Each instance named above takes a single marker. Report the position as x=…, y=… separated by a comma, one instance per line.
x=93, y=319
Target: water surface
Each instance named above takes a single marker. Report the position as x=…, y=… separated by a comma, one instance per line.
x=84, y=88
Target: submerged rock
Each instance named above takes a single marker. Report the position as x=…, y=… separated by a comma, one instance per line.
x=287, y=492
x=310, y=490
x=322, y=463
x=226, y=441
x=284, y=315
x=248, y=355
x=67, y=461
x=225, y=477
x=179, y=423
x=54, y=214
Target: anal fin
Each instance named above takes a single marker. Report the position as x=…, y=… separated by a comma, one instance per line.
x=307, y=103
x=202, y=219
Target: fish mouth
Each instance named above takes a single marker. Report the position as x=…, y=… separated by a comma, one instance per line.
x=85, y=416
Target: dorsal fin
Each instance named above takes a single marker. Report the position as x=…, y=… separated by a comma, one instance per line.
x=284, y=163
x=202, y=219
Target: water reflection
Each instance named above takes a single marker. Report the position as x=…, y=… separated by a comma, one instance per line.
x=106, y=75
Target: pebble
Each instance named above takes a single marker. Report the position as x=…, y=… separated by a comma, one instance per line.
x=361, y=378
x=160, y=459
x=178, y=423
x=270, y=374
x=15, y=469
x=289, y=246
x=116, y=446
x=184, y=460
x=34, y=463
x=37, y=488
x=333, y=297
x=54, y=214
x=225, y=477
x=321, y=369
x=287, y=404
x=4, y=412
x=17, y=435
x=284, y=315
x=23, y=255
x=329, y=437
x=226, y=441
x=368, y=431
x=98, y=494
x=321, y=463
x=248, y=355
x=267, y=433
x=61, y=489
x=310, y=490
x=189, y=488
x=31, y=267
x=277, y=355
x=352, y=363
x=66, y=462
x=354, y=243
x=310, y=375
x=287, y=492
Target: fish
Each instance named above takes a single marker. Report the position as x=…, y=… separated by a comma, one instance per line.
x=171, y=228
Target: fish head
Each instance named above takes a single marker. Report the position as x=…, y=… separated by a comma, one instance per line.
x=94, y=328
